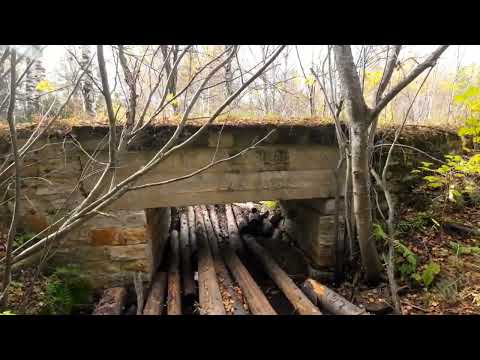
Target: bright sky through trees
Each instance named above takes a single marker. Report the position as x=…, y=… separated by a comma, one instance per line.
x=469, y=54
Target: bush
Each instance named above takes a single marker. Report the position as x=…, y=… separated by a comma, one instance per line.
x=67, y=291
x=7, y=312
x=407, y=265
x=20, y=239
x=271, y=204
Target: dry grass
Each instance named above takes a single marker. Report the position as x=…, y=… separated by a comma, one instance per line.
x=65, y=125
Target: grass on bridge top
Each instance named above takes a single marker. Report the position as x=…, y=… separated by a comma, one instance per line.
x=64, y=125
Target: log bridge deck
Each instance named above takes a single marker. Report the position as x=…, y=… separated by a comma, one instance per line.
x=203, y=272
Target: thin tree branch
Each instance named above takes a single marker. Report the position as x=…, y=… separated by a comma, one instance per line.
x=429, y=62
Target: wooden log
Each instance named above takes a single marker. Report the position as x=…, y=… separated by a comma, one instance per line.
x=156, y=298
x=267, y=228
x=209, y=292
x=242, y=222
x=248, y=205
x=210, y=232
x=461, y=229
x=255, y=223
x=258, y=303
x=320, y=275
x=189, y=289
x=277, y=234
x=140, y=292
x=112, y=302
x=276, y=218
x=219, y=230
x=329, y=300
x=191, y=230
x=233, y=234
x=296, y=297
x=174, y=299
x=132, y=310
x=231, y=299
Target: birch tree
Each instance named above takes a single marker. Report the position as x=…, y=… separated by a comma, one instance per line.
x=88, y=91
x=362, y=121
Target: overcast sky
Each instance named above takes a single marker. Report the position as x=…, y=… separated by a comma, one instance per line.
x=469, y=54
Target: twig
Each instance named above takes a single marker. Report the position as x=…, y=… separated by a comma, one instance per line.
x=414, y=306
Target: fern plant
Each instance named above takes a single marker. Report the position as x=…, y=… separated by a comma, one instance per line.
x=408, y=267
x=67, y=289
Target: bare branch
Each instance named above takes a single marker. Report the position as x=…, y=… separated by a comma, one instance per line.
x=388, y=72
x=350, y=81
x=429, y=62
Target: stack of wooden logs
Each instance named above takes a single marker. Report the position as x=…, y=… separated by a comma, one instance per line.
x=215, y=250
x=252, y=220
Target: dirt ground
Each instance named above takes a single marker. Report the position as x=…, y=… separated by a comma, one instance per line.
x=455, y=290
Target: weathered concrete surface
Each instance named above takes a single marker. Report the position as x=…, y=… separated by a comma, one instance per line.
x=311, y=225
x=289, y=172
x=293, y=163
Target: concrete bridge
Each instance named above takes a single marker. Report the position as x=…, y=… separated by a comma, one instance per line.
x=295, y=165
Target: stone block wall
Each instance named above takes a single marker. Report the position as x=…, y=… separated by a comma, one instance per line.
x=311, y=223
x=110, y=249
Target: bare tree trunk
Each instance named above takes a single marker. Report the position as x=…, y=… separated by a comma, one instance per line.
x=29, y=91
x=3, y=78
x=228, y=73
x=172, y=84
x=361, y=200
x=16, y=207
x=360, y=119
x=87, y=85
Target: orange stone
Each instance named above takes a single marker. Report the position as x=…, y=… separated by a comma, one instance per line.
x=118, y=236
x=106, y=236
x=35, y=222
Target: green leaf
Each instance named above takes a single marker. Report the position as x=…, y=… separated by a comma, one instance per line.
x=272, y=205
x=378, y=232
x=428, y=275
x=7, y=312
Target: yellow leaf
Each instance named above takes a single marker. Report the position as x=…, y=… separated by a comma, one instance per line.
x=44, y=86
x=310, y=80
x=373, y=78
x=170, y=98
